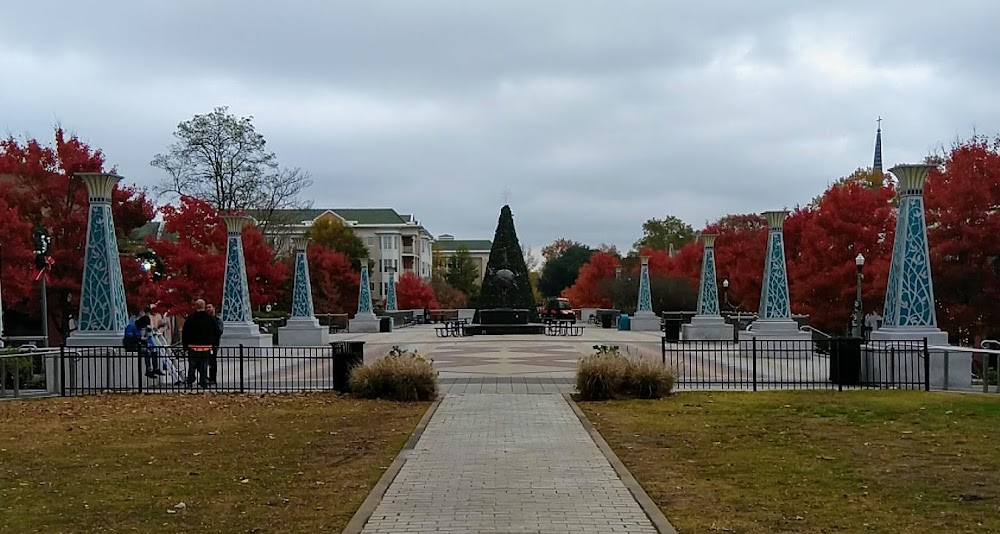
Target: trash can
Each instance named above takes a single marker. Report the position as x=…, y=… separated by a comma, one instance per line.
x=607, y=318
x=385, y=324
x=623, y=322
x=672, y=329
x=845, y=361
x=346, y=355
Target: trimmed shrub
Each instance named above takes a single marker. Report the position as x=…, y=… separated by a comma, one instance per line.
x=399, y=376
x=607, y=375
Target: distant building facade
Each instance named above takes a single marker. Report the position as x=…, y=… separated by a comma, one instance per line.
x=394, y=241
x=446, y=246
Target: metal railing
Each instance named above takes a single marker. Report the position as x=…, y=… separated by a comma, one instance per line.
x=985, y=363
x=756, y=364
x=228, y=369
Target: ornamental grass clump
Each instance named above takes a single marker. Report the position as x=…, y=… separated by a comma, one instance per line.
x=401, y=375
x=609, y=375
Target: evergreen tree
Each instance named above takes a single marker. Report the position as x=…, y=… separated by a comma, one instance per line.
x=462, y=273
x=502, y=291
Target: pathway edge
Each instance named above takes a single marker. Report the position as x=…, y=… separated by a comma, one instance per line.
x=660, y=521
x=371, y=502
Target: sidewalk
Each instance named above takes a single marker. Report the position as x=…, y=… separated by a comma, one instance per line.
x=507, y=463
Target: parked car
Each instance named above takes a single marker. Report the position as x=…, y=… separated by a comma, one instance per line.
x=557, y=309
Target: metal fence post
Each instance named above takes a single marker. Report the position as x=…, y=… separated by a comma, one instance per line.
x=927, y=367
x=241, y=368
x=663, y=349
x=118, y=356
x=946, y=355
x=754, y=363
x=62, y=370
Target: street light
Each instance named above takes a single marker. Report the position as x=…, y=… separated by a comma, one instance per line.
x=725, y=292
x=859, y=262
x=618, y=287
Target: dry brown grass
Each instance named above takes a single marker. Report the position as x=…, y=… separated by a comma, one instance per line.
x=295, y=463
x=872, y=461
x=402, y=377
x=612, y=376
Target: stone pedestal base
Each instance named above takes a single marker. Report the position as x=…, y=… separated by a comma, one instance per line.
x=303, y=332
x=247, y=334
x=770, y=335
x=94, y=361
x=644, y=321
x=707, y=328
x=900, y=365
x=363, y=323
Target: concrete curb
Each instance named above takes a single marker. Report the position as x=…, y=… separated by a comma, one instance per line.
x=371, y=502
x=653, y=512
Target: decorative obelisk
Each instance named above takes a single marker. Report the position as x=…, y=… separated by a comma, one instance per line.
x=909, y=313
x=103, y=314
x=644, y=320
x=364, y=320
x=302, y=329
x=707, y=324
x=390, y=298
x=774, y=318
x=237, y=317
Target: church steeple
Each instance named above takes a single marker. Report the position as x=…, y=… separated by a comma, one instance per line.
x=878, y=146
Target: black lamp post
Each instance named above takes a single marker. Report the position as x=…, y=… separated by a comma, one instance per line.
x=725, y=293
x=859, y=262
x=618, y=286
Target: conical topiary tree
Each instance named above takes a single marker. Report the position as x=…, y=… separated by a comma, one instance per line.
x=506, y=283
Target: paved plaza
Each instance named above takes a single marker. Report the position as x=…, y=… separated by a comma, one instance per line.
x=507, y=463
x=504, y=452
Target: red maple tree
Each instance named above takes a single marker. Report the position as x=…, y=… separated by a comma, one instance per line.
x=591, y=289
x=413, y=294
x=963, y=221
x=849, y=218
x=193, y=251
x=334, y=283
x=42, y=186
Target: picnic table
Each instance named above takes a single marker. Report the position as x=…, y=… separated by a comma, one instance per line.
x=453, y=328
x=563, y=328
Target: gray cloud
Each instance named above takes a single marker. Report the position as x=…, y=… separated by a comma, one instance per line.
x=596, y=115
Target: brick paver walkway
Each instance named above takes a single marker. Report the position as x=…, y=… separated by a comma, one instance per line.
x=507, y=463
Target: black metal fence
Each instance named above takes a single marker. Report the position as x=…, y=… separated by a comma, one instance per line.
x=92, y=370
x=756, y=364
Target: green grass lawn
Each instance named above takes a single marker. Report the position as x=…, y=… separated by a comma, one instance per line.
x=865, y=461
x=288, y=463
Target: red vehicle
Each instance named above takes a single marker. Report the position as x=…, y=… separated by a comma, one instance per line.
x=557, y=309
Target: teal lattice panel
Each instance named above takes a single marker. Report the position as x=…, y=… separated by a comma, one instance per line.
x=236, y=292
x=708, y=293
x=364, y=293
x=774, y=302
x=645, y=299
x=910, y=293
x=302, y=300
x=102, y=295
x=390, y=298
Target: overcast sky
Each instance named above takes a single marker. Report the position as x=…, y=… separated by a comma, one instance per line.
x=594, y=115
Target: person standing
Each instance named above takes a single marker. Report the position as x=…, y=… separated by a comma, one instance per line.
x=199, y=335
x=213, y=360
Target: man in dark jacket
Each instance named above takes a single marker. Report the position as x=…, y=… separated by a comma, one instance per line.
x=200, y=333
x=213, y=360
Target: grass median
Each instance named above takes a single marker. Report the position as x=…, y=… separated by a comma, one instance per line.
x=194, y=463
x=865, y=461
